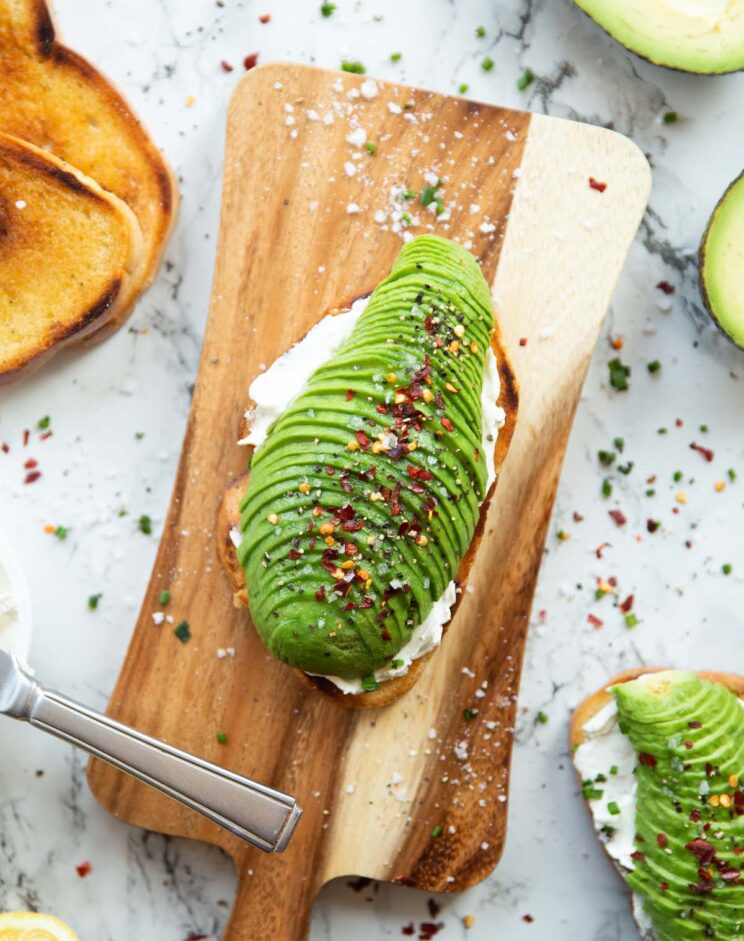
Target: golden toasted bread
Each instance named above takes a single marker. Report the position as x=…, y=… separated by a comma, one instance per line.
x=593, y=704
x=56, y=100
x=388, y=691
x=67, y=252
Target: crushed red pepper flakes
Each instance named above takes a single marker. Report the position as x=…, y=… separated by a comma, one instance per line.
x=434, y=907
x=83, y=869
x=32, y=477
x=595, y=621
x=619, y=517
x=264, y=18
x=349, y=395
x=5, y=447
x=577, y=517
x=652, y=525
x=26, y=436
x=447, y=424
x=600, y=549
x=226, y=67
x=626, y=605
x=647, y=760
x=666, y=287
x=47, y=434
x=705, y=452
x=528, y=918
x=597, y=185
x=523, y=341
x=250, y=61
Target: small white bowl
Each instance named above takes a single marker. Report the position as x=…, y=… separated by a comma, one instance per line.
x=16, y=636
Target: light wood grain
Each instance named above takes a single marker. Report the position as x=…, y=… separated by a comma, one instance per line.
x=373, y=784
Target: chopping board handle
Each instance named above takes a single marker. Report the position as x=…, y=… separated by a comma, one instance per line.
x=275, y=902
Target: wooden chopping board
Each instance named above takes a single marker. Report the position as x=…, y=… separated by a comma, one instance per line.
x=306, y=224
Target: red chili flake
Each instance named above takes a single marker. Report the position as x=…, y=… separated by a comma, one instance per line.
x=346, y=486
x=694, y=725
x=730, y=874
x=619, y=517
x=382, y=409
x=30, y=464
x=706, y=452
x=626, y=605
x=434, y=907
x=47, y=434
x=447, y=424
x=408, y=929
x=26, y=436
x=427, y=930
x=385, y=634
x=250, y=61
x=353, y=526
x=83, y=869
x=709, y=769
x=678, y=422
x=641, y=857
x=647, y=760
x=226, y=67
x=666, y=287
x=596, y=185
x=695, y=815
x=367, y=601
x=362, y=439
x=595, y=621
x=652, y=525
x=330, y=471
x=346, y=512
x=294, y=554
x=661, y=839
x=577, y=517
x=523, y=341
x=703, y=886
x=349, y=395
x=32, y=477
x=5, y=447
x=320, y=594
x=264, y=18
x=600, y=548
x=528, y=918
x=350, y=548
x=688, y=743
x=419, y=473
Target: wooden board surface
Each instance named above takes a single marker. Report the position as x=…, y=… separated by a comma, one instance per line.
x=373, y=784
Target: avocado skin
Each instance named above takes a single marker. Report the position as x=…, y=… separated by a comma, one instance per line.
x=689, y=735
x=417, y=527
x=729, y=333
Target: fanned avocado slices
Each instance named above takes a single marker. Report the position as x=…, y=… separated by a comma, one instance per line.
x=702, y=36
x=688, y=864
x=722, y=263
x=365, y=495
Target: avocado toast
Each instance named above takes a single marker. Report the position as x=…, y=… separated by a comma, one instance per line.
x=366, y=501
x=660, y=754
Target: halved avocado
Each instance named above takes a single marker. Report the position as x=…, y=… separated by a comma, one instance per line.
x=722, y=263
x=702, y=36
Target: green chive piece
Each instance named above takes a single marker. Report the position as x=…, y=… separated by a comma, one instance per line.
x=93, y=600
x=606, y=457
x=429, y=193
x=606, y=487
x=670, y=117
x=397, y=664
x=165, y=596
x=625, y=468
x=727, y=568
x=408, y=195
x=526, y=79
x=370, y=147
x=542, y=717
x=183, y=632
x=139, y=435
x=653, y=366
x=619, y=375
x=704, y=429
x=353, y=66
x=327, y=9
x=221, y=738
x=678, y=475
x=61, y=532
x=145, y=524
x=437, y=831
x=463, y=88
x=661, y=431
x=43, y=423
x=396, y=57
x=487, y=64
x=480, y=31
x=469, y=714
x=731, y=474
x=614, y=769
x=651, y=492
x=631, y=620
x=369, y=683
x=590, y=792
x=619, y=444
x=613, y=808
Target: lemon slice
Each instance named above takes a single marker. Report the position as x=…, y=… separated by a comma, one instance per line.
x=31, y=926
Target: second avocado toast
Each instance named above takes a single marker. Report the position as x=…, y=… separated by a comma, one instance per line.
x=366, y=499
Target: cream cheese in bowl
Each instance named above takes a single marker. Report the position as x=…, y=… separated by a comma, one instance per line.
x=15, y=604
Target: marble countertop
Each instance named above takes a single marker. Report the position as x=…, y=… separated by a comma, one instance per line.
x=118, y=415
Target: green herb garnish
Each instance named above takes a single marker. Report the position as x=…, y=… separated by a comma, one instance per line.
x=463, y=88
x=590, y=792
x=61, y=532
x=727, y=568
x=221, y=738
x=606, y=487
x=93, y=600
x=437, y=831
x=526, y=79
x=487, y=64
x=480, y=31
x=653, y=366
x=369, y=683
x=469, y=714
x=619, y=444
x=145, y=524
x=353, y=66
x=43, y=423
x=327, y=9
x=613, y=808
x=625, y=468
x=396, y=57
x=631, y=620
x=670, y=117
x=429, y=193
x=606, y=458
x=619, y=375
x=165, y=596
x=731, y=474
x=370, y=147
x=677, y=476
x=183, y=632
x=542, y=717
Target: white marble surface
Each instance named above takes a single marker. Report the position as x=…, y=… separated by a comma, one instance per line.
x=160, y=53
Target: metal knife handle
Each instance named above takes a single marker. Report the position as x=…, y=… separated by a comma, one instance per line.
x=262, y=816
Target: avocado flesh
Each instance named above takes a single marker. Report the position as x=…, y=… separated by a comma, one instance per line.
x=693, y=730
x=398, y=515
x=701, y=36
x=722, y=263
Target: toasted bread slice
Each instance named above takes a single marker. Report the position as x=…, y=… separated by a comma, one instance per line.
x=67, y=252
x=388, y=691
x=593, y=704
x=56, y=100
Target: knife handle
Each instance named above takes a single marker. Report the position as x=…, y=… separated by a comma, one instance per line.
x=258, y=814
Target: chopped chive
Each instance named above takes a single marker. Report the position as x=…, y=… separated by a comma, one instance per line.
x=61, y=532
x=429, y=193
x=606, y=457
x=93, y=600
x=480, y=31
x=469, y=714
x=651, y=492
x=327, y=9
x=631, y=620
x=370, y=147
x=139, y=435
x=183, y=632
x=614, y=769
x=369, y=683
x=221, y=738
x=590, y=792
x=678, y=475
x=354, y=66
x=526, y=79
x=661, y=431
x=43, y=423
x=619, y=375
x=437, y=831
x=165, y=596
x=145, y=524
x=463, y=88
x=670, y=117
x=542, y=717
x=606, y=487
x=727, y=568
x=653, y=366
x=731, y=474
x=487, y=64
x=408, y=194
x=562, y=535
x=396, y=57
x=397, y=664
x=613, y=808
x=619, y=444
x=704, y=429
x=625, y=468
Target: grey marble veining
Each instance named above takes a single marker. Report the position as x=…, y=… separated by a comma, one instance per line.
x=149, y=887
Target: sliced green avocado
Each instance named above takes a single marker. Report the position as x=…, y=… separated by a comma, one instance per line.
x=689, y=844
x=365, y=495
x=702, y=36
x=722, y=263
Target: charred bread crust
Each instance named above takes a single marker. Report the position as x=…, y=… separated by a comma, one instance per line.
x=594, y=703
x=228, y=517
